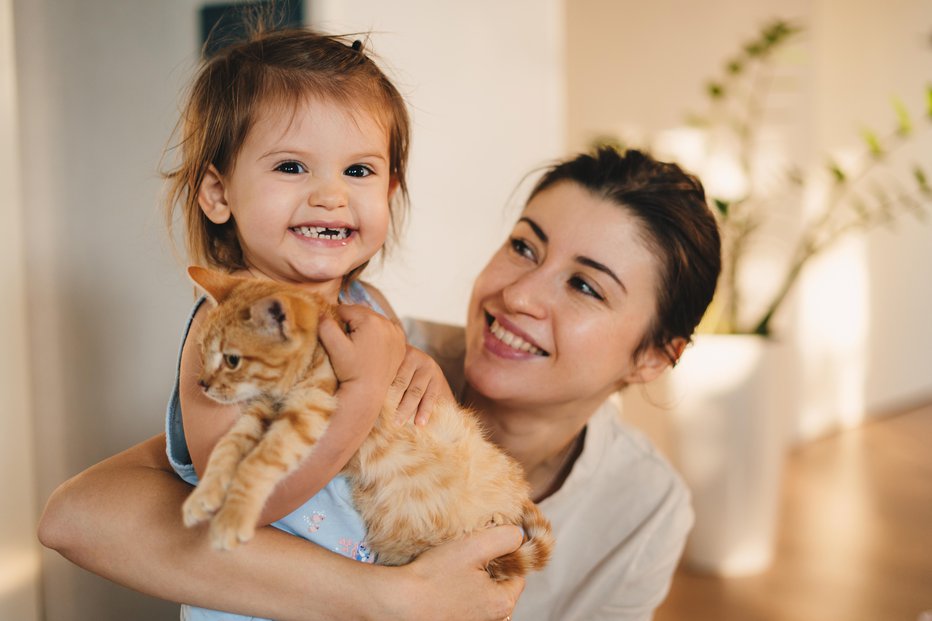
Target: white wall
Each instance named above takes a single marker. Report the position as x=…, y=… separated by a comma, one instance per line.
x=860, y=315
x=99, y=83
x=485, y=84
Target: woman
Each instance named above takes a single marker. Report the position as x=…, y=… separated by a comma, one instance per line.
x=600, y=285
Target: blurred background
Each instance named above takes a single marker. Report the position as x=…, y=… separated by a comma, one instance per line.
x=94, y=298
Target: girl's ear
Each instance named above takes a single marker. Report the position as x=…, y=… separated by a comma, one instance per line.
x=655, y=361
x=393, y=185
x=212, y=196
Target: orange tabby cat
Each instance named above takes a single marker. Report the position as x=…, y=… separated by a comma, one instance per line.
x=415, y=487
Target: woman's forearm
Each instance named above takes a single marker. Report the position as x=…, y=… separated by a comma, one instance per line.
x=122, y=520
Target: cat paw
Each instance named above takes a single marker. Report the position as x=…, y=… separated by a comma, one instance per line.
x=199, y=507
x=230, y=527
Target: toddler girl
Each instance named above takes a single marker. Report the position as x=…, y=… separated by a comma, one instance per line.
x=293, y=150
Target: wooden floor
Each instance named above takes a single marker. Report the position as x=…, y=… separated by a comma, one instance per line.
x=855, y=540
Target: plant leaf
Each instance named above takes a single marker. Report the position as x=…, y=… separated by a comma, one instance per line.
x=722, y=206
x=715, y=90
x=903, y=122
x=838, y=174
x=921, y=178
x=873, y=143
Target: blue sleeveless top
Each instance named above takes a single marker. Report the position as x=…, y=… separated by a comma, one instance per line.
x=327, y=519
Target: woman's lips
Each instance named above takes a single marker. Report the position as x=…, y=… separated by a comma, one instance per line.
x=505, y=340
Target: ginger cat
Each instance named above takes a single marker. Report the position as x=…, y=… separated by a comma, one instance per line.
x=415, y=487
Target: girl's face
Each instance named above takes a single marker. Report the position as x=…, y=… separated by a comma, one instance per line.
x=309, y=192
x=558, y=311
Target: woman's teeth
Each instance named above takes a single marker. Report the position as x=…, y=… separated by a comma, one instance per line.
x=321, y=232
x=513, y=340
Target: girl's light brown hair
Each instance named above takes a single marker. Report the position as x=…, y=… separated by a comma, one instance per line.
x=282, y=68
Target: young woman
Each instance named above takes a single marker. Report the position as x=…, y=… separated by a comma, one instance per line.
x=600, y=285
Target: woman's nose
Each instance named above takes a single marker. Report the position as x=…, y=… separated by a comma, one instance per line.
x=329, y=193
x=526, y=295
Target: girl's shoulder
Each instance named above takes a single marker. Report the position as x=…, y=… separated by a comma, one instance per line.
x=359, y=292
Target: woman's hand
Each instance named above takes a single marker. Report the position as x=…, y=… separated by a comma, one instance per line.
x=417, y=388
x=450, y=583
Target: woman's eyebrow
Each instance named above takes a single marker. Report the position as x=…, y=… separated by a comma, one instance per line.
x=602, y=268
x=536, y=228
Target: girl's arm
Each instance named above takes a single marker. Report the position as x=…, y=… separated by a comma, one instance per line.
x=122, y=520
x=366, y=361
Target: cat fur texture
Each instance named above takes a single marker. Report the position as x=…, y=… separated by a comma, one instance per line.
x=415, y=487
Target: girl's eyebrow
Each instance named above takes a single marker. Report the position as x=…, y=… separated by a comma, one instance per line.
x=579, y=259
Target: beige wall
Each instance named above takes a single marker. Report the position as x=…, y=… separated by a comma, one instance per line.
x=19, y=551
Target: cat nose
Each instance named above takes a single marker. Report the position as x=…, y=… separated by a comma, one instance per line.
x=202, y=383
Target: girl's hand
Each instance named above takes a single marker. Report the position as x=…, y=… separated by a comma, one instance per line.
x=367, y=354
x=417, y=388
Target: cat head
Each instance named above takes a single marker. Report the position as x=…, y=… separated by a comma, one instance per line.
x=259, y=338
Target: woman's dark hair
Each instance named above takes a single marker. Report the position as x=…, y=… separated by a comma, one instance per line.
x=677, y=224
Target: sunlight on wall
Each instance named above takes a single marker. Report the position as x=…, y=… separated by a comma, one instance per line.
x=832, y=308
x=19, y=572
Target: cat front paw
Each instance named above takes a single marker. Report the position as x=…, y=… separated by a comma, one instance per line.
x=200, y=505
x=231, y=527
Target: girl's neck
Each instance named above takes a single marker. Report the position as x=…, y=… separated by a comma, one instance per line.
x=330, y=289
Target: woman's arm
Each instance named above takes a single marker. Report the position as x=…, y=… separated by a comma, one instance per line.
x=122, y=519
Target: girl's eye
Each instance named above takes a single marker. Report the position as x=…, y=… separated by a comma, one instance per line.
x=585, y=288
x=358, y=170
x=520, y=247
x=291, y=168
x=231, y=360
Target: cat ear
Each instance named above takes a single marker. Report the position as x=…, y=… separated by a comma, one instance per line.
x=272, y=315
x=217, y=285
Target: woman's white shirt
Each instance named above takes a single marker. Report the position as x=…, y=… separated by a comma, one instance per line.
x=620, y=519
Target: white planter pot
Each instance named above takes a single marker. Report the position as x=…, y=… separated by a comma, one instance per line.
x=727, y=406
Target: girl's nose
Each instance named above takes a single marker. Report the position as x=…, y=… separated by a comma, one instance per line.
x=526, y=296
x=328, y=193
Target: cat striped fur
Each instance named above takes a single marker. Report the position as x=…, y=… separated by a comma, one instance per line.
x=415, y=487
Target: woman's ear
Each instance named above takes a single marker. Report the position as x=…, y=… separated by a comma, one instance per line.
x=212, y=196
x=655, y=361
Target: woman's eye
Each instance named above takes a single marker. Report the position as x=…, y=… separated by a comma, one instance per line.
x=520, y=247
x=585, y=288
x=358, y=170
x=231, y=360
x=291, y=168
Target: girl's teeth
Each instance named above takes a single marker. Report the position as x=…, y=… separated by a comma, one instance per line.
x=322, y=232
x=513, y=340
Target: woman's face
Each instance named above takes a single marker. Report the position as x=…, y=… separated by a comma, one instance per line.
x=558, y=311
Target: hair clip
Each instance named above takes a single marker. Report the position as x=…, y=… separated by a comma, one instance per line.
x=357, y=45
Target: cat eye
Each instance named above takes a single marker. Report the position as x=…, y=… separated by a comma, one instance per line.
x=231, y=360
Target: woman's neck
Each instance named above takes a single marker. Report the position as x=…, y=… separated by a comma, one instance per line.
x=544, y=440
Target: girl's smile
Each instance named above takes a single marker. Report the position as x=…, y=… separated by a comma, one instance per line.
x=309, y=192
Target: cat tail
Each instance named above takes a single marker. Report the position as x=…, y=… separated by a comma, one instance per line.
x=533, y=553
